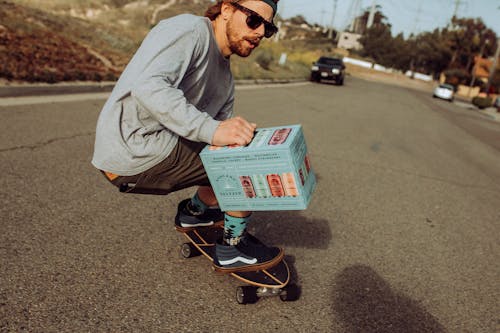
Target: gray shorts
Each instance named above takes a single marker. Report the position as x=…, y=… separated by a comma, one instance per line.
x=181, y=169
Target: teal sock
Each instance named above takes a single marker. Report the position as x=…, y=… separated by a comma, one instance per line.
x=234, y=227
x=196, y=206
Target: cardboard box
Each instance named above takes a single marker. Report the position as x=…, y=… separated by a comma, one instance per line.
x=273, y=172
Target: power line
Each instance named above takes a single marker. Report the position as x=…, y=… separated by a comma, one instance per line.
x=330, y=31
x=417, y=17
x=423, y=14
x=352, y=13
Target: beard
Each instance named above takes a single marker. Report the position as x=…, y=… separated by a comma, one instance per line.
x=241, y=46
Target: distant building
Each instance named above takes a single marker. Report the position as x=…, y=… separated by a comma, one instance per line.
x=349, y=41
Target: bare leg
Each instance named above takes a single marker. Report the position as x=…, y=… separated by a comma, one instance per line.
x=207, y=195
x=238, y=214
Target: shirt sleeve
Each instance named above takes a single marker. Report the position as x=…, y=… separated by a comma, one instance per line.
x=156, y=89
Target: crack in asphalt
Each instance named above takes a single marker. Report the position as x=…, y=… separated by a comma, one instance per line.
x=45, y=143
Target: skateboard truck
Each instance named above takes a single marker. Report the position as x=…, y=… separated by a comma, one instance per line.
x=251, y=294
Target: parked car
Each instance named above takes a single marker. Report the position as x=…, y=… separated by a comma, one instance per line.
x=326, y=68
x=444, y=91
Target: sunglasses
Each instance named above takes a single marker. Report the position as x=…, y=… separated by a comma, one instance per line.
x=254, y=20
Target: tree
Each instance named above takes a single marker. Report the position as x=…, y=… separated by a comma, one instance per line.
x=378, y=19
x=429, y=52
x=298, y=20
x=402, y=53
x=467, y=38
x=432, y=54
x=378, y=44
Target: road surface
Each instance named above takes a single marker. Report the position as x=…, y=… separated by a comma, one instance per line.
x=401, y=235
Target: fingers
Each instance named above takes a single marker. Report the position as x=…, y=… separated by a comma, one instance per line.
x=240, y=131
x=234, y=131
x=245, y=130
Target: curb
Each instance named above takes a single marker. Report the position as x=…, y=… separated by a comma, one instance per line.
x=490, y=112
x=54, y=89
x=24, y=90
x=266, y=81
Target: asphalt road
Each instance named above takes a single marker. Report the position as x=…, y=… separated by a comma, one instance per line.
x=402, y=234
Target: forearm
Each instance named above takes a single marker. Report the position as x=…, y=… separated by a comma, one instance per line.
x=169, y=107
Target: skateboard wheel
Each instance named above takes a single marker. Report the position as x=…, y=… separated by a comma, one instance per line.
x=246, y=295
x=188, y=250
x=290, y=293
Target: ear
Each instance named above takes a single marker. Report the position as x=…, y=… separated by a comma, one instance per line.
x=226, y=11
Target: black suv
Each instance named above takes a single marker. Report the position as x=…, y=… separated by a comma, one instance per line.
x=326, y=68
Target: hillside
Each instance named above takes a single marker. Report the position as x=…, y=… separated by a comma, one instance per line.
x=87, y=40
x=91, y=40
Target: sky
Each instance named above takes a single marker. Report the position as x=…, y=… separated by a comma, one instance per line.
x=406, y=16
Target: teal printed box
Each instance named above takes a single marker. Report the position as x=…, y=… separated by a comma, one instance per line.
x=273, y=172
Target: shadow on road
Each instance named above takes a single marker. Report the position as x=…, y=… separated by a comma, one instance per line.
x=365, y=302
x=291, y=229
x=294, y=277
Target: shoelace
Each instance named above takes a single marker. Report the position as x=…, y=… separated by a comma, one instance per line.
x=190, y=211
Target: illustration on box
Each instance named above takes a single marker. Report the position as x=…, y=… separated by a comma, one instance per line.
x=274, y=185
x=273, y=172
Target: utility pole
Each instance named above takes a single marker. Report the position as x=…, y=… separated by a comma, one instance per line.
x=322, y=22
x=455, y=11
x=281, y=10
x=330, y=32
x=371, y=16
x=277, y=36
x=473, y=80
x=493, y=67
x=353, y=13
x=457, y=5
x=417, y=18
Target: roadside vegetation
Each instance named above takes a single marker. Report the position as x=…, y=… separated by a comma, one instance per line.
x=451, y=50
x=296, y=59
x=92, y=40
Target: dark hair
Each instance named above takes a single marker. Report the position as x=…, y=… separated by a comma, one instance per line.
x=215, y=10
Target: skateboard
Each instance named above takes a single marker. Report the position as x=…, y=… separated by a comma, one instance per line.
x=274, y=281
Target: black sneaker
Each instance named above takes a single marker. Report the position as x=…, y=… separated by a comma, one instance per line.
x=248, y=255
x=185, y=220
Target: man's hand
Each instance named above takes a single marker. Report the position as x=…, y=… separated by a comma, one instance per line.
x=234, y=131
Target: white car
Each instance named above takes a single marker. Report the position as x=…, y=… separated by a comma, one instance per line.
x=444, y=91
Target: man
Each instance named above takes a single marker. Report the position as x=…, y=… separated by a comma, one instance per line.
x=175, y=96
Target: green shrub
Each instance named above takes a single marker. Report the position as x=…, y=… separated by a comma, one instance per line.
x=456, y=76
x=482, y=102
x=265, y=59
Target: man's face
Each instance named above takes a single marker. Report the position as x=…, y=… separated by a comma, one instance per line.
x=242, y=39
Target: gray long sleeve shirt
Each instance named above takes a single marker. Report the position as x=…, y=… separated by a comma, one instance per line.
x=178, y=83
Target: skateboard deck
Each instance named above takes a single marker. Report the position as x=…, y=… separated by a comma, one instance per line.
x=273, y=281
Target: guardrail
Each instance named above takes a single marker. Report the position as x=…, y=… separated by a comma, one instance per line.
x=380, y=68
